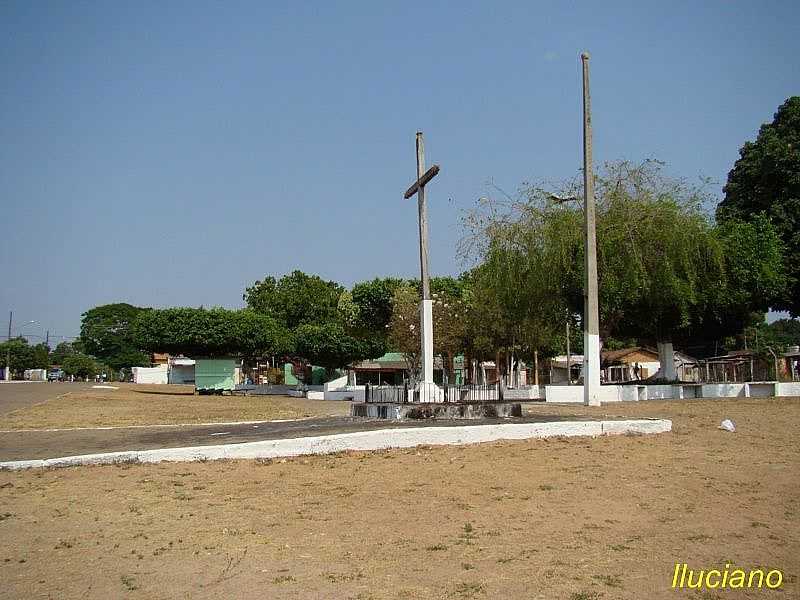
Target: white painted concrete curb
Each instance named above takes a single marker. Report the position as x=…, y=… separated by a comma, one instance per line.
x=379, y=439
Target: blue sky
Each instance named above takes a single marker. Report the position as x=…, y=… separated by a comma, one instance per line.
x=171, y=153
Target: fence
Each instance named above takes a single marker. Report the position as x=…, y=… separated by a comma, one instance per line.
x=735, y=370
x=450, y=393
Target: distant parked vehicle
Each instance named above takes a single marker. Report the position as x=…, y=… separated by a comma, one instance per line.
x=55, y=375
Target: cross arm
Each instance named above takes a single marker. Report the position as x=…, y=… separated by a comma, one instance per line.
x=429, y=174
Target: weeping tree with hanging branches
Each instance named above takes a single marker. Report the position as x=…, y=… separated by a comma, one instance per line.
x=665, y=271
x=450, y=325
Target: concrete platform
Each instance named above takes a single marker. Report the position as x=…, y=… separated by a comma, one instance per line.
x=435, y=410
x=378, y=439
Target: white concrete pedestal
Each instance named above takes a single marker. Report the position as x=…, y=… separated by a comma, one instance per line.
x=430, y=392
x=426, y=338
x=591, y=369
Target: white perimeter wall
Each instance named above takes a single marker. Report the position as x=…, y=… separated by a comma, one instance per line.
x=788, y=389
x=150, y=374
x=573, y=394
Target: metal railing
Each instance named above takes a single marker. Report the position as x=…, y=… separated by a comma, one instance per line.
x=449, y=393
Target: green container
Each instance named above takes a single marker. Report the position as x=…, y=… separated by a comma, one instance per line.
x=215, y=374
x=288, y=375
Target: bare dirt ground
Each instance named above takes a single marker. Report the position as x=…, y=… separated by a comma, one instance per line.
x=577, y=519
x=159, y=404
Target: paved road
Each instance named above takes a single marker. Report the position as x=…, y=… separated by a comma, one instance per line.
x=22, y=445
x=15, y=395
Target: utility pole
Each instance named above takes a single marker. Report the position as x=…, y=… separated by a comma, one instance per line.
x=591, y=327
x=569, y=367
x=47, y=339
x=8, y=347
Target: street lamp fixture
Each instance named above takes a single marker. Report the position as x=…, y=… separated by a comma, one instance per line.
x=556, y=199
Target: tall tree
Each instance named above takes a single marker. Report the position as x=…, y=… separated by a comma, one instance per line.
x=766, y=179
x=755, y=279
x=664, y=271
x=199, y=332
x=41, y=356
x=61, y=351
x=329, y=345
x=778, y=334
x=23, y=355
x=80, y=365
x=404, y=327
x=295, y=299
x=106, y=334
x=373, y=300
x=449, y=321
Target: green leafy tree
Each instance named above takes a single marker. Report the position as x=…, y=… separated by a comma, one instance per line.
x=61, y=351
x=404, y=326
x=80, y=365
x=486, y=331
x=330, y=346
x=295, y=299
x=41, y=356
x=23, y=355
x=664, y=272
x=766, y=179
x=449, y=321
x=199, y=332
x=755, y=278
x=348, y=312
x=374, y=302
x=778, y=335
x=106, y=334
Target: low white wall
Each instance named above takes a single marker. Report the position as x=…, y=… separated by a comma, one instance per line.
x=564, y=393
x=528, y=392
x=336, y=384
x=722, y=390
x=150, y=374
x=350, y=392
x=690, y=391
x=760, y=389
x=573, y=394
x=660, y=392
x=611, y=393
x=787, y=389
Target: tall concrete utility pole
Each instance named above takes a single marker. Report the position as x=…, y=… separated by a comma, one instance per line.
x=591, y=320
x=569, y=357
x=427, y=388
x=8, y=352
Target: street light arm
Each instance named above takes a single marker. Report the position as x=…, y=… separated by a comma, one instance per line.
x=560, y=199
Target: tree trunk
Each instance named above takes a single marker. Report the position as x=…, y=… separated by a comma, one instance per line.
x=535, y=367
x=666, y=356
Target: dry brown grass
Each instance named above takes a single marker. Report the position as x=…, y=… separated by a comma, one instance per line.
x=160, y=404
x=575, y=519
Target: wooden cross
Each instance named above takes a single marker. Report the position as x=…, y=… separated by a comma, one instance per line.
x=427, y=387
x=418, y=188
